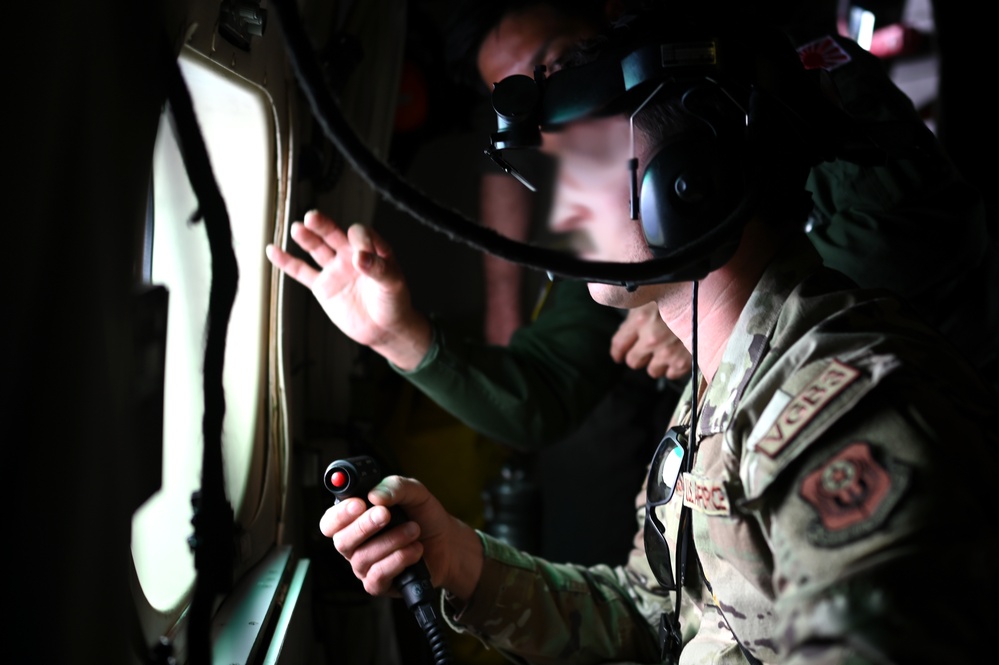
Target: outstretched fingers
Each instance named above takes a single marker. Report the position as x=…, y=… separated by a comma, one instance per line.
x=326, y=230
x=292, y=266
x=314, y=243
x=320, y=237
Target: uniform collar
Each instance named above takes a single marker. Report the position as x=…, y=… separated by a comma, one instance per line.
x=750, y=340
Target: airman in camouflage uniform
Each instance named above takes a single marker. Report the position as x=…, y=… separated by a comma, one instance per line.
x=830, y=502
x=832, y=517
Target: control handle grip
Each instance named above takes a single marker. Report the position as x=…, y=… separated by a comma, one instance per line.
x=355, y=477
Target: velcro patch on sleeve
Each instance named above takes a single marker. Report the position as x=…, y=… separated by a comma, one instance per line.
x=852, y=494
x=805, y=405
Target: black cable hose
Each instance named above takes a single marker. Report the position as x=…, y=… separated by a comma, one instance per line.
x=459, y=228
x=423, y=601
x=212, y=542
x=439, y=646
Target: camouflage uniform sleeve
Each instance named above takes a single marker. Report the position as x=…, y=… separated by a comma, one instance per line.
x=540, y=612
x=881, y=538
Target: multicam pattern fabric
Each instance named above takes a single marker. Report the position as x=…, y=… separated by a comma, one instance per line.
x=859, y=524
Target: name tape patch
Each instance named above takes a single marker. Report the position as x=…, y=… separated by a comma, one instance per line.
x=803, y=407
x=705, y=495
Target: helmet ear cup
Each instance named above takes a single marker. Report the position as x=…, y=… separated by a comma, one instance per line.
x=691, y=185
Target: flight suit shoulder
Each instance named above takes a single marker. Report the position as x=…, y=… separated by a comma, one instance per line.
x=808, y=402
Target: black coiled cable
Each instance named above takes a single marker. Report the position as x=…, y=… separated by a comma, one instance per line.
x=421, y=599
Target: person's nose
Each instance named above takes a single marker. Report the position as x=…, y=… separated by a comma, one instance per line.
x=569, y=210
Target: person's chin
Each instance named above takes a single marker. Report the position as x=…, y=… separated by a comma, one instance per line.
x=613, y=296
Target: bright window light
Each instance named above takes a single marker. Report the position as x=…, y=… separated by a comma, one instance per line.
x=236, y=121
x=862, y=26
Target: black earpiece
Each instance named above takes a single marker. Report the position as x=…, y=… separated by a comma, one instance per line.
x=693, y=184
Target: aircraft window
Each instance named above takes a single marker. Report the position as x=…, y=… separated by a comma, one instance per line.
x=236, y=120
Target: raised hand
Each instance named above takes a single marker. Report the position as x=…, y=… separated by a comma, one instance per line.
x=359, y=285
x=643, y=340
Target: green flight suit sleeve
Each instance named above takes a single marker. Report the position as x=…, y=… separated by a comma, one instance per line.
x=537, y=389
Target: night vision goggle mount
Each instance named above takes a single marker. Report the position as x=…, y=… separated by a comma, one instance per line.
x=695, y=190
x=698, y=189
